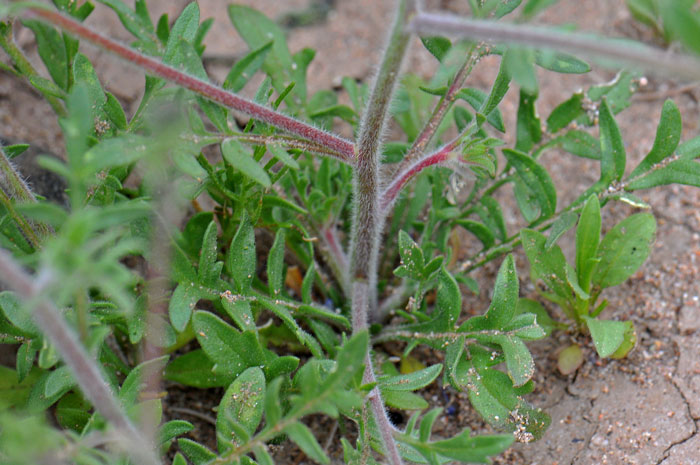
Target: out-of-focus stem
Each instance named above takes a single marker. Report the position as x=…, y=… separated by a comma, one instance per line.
x=614, y=51
x=86, y=372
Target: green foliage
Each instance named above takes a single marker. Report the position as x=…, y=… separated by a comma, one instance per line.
x=252, y=292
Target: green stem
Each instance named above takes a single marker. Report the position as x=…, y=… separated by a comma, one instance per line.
x=25, y=68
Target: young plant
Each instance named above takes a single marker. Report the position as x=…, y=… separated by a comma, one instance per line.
x=271, y=294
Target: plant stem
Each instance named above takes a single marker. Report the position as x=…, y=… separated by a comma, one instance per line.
x=438, y=114
x=367, y=222
x=86, y=372
x=441, y=156
x=199, y=86
x=614, y=51
x=13, y=188
x=25, y=68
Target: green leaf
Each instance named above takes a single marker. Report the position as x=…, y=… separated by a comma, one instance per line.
x=681, y=21
x=668, y=135
x=543, y=319
x=520, y=65
x=505, y=295
x=275, y=263
x=209, y=269
x=499, y=89
x=173, y=429
x=587, y=241
x=52, y=50
x=304, y=438
x=17, y=313
x=73, y=412
x=612, y=148
x=134, y=382
x=242, y=404
x=181, y=304
x=282, y=156
x=197, y=453
x=239, y=310
x=241, y=258
x=549, y=265
x=528, y=126
x=437, y=46
x=132, y=22
x=569, y=359
x=195, y=369
x=607, y=335
x=412, y=381
x=481, y=232
x=403, y=400
x=533, y=7
x=565, y=113
x=467, y=449
x=58, y=382
x=412, y=261
x=272, y=405
x=561, y=62
x=246, y=67
x=257, y=30
x=184, y=29
x=222, y=344
x=491, y=214
x=478, y=100
x=449, y=300
x=624, y=249
x=115, y=112
x=579, y=143
x=238, y=156
x=678, y=172
x=536, y=181
x=565, y=222
x=506, y=6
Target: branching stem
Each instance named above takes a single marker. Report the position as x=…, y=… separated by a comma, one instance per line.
x=199, y=86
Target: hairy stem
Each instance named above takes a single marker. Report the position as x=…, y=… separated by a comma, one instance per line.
x=367, y=224
x=13, y=188
x=613, y=51
x=441, y=156
x=199, y=86
x=86, y=372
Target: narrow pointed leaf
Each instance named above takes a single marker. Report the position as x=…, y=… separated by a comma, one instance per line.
x=668, y=135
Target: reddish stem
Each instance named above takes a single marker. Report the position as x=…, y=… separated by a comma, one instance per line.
x=405, y=175
x=201, y=87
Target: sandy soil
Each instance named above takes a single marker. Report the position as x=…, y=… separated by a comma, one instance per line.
x=641, y=410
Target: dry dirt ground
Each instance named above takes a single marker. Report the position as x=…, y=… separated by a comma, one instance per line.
x=641, y=410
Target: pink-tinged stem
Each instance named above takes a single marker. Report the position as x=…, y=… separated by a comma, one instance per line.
x=405, y=175
x=201, y=87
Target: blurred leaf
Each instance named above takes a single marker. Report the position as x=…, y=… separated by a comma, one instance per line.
x=304, y=438
x=561, y=62
x=275, y=263
x=528, y=127
x=246, y=67
x=569, y=359
x=437, y=46
x=565, y=113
